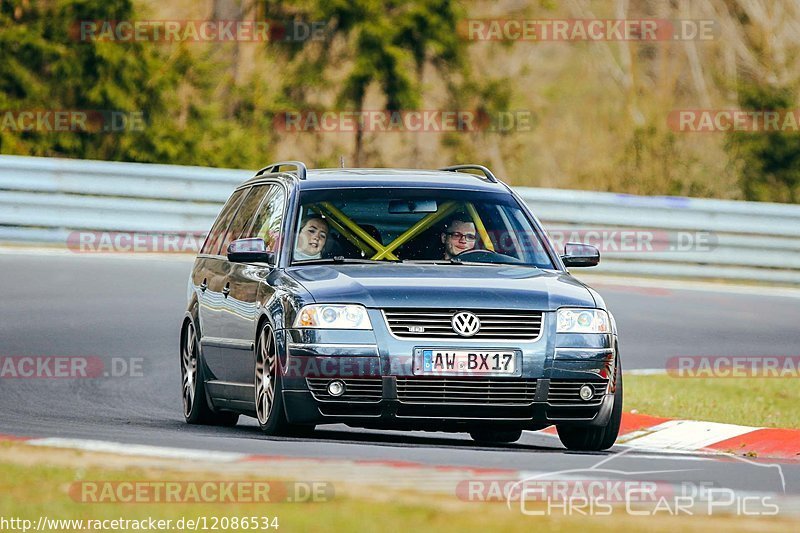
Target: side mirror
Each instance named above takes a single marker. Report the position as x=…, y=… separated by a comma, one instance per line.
x=580, y=255
x=249, y=251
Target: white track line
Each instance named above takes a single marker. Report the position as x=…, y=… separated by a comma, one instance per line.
x=139, y=449
x=645, y=372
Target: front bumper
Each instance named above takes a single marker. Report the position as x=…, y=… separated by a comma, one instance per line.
x=391, y=411
x=385, y=389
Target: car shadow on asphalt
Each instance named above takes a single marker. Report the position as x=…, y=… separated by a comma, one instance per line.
x=334, y=435
x=341, y=434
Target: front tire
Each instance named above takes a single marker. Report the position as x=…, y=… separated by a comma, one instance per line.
x=270, y=412
x=195, y=406
x=595, y=439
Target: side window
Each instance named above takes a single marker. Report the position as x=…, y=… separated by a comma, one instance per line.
x=244, y=216
x=221, y=225
x=269, y=218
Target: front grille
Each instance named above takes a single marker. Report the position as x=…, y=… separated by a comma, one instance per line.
x=435, y=324
x=355, y=389
x=475, y=391
x=565, y=392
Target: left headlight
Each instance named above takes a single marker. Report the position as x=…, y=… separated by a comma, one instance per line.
x=583, y=321
x=333, y=317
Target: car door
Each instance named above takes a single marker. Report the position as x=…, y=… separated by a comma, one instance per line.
x=239, y=311
x=209, y=280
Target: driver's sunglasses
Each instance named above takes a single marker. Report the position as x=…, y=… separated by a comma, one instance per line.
x=457, y=235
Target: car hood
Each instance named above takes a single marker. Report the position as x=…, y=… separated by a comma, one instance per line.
x=469, y=286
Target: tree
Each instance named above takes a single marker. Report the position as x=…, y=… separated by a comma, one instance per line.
x=770, y=161
x=381, y=42
x=47, y=66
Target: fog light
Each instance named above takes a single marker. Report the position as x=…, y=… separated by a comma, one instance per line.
x=336, y=388
x=586, y=393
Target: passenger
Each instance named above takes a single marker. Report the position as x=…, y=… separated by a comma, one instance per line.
x=458, y=237
x=311, y=238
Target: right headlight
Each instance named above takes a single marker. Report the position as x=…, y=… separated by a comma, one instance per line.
x=331, y=316
x=583, y=321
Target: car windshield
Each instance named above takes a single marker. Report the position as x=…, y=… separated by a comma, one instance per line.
x=415, y=225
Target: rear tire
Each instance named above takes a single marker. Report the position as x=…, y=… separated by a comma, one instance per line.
x=195, y=406
x=488, y=436
x=595, y=439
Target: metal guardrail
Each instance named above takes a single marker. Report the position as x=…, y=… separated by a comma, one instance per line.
x=691, y=237
x=44, y=200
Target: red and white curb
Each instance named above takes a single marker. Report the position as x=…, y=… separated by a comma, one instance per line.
x=637, y=432
x=656, y=434
x=642, y=435
x=383, y=479
x=401, y=475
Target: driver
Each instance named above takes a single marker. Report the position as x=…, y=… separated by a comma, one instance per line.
x=311, y=238
x=458, y=236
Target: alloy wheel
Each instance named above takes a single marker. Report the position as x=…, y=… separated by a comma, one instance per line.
x=266, y=369
x=189, y=369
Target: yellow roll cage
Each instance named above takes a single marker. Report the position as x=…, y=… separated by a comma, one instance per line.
x=365, y=242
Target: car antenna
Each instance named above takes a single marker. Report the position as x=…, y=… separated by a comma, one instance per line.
x=341, y=161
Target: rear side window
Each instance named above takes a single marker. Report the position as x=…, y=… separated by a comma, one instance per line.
x=244, y=216
x=267, y=223
x=224, y=218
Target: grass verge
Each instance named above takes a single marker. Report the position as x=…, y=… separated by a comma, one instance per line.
x=36, y=483
x=767, y=402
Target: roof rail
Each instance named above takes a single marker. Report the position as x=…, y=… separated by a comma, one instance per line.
x=276, y=167
x=486, y=172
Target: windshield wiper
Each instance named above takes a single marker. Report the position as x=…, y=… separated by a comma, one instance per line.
x=451, y=261
x=457, y=261
x=338, y=260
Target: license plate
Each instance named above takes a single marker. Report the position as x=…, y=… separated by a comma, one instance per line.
x=468, y=362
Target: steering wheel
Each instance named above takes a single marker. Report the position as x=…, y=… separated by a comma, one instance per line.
x=485, y=256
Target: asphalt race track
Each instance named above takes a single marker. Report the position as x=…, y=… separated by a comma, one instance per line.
x=80, y=305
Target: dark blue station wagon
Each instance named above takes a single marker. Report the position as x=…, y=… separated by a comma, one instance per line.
x=396, y=299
